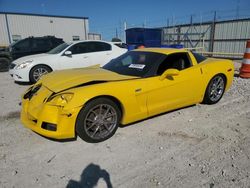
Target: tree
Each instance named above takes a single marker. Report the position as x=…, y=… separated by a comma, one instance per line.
x=116, y=40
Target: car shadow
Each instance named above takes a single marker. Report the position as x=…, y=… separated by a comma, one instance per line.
x=23, y=83
x=90, y=177
x=57, y=140
x=151, y=117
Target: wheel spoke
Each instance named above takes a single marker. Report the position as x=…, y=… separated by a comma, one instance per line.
x=95, y=131
x=109, y=115
x=92, y=125
x=94, y=112
x=106, y=127
x=100, y=110
x=90, y=120
x=36, y=74
x=106, y=113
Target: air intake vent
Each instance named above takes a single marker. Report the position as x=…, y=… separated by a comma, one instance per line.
x=32, y=92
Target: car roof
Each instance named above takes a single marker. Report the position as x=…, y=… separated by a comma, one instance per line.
x=75, y=42
x=162, y=50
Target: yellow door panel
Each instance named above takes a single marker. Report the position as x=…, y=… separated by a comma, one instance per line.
x=175, y=91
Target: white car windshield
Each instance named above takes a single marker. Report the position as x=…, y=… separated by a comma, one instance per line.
x=59, y=48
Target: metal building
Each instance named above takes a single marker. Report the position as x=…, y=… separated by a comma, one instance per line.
x=94, y=36
x=16, y=26
x=217, y=38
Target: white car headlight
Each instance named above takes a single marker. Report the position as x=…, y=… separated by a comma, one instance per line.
x=24, y=64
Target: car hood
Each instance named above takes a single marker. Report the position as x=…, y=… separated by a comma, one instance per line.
x=37, y=57
x=61, y=80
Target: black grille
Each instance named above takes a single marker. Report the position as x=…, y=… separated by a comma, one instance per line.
x=12, y=65
x=32, y=92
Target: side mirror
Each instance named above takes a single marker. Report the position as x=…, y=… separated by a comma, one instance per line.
x=67, y=53
x=169, y=73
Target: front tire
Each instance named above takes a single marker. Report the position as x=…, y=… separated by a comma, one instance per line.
x=37, y=72
x=98, y=120
x=215, y=89
x=4, y=64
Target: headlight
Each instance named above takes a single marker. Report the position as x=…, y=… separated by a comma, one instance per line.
x=24, y=64
x=60, y=99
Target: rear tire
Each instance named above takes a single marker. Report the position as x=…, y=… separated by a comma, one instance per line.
x=4, y=64
x=98, y=120
x=37, y=72
x=215, y=89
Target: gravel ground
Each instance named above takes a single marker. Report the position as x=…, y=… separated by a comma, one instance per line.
x=198, y=146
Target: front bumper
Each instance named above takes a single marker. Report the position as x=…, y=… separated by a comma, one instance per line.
x=20, y=75
x=34, y=117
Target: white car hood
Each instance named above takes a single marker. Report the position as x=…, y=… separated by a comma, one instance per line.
x=35, y=58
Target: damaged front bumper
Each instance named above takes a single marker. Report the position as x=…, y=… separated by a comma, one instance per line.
x=48, y=120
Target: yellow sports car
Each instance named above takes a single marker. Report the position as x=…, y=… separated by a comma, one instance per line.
x=92, y=102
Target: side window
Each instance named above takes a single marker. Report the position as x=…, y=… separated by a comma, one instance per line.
x=99, y=46
x=22, y=45
x=199, y=58
x=41, y=44
x=79, y=48
x=178, y=61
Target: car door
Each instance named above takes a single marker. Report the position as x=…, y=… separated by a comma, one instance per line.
x=100, y=52
x=174, y=91
x=79, y=57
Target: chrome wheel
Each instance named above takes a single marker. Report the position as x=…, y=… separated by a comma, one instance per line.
x=216, y=88
x=37, y=73
x=100, y=121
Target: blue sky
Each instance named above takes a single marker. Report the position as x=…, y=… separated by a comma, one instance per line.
x=108, y=16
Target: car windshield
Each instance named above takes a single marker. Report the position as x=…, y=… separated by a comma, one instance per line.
x=134, y=63
x=59, y=48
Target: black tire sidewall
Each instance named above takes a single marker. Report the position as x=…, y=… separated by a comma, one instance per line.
x=4, y=64
x=32, y=80
x=83, y=113
x=207, y=99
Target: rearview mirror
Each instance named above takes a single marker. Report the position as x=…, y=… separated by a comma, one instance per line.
x=68, y=53
x=169, y=73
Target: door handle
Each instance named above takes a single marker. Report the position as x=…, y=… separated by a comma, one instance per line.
x=108, y=53
x=85, y=57
x=138, y=90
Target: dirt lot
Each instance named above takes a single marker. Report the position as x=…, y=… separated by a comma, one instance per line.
x=198, y=146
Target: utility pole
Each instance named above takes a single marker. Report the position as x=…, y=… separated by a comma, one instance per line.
x=212, y=33
x=125, y=28
x=191, y=20
x=145, y=22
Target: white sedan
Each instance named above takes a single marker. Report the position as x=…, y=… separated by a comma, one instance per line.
x=65, y=56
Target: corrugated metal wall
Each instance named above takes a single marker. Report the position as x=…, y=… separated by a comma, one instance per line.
x=226, y=36
x=231, y=37
x=34, y=25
